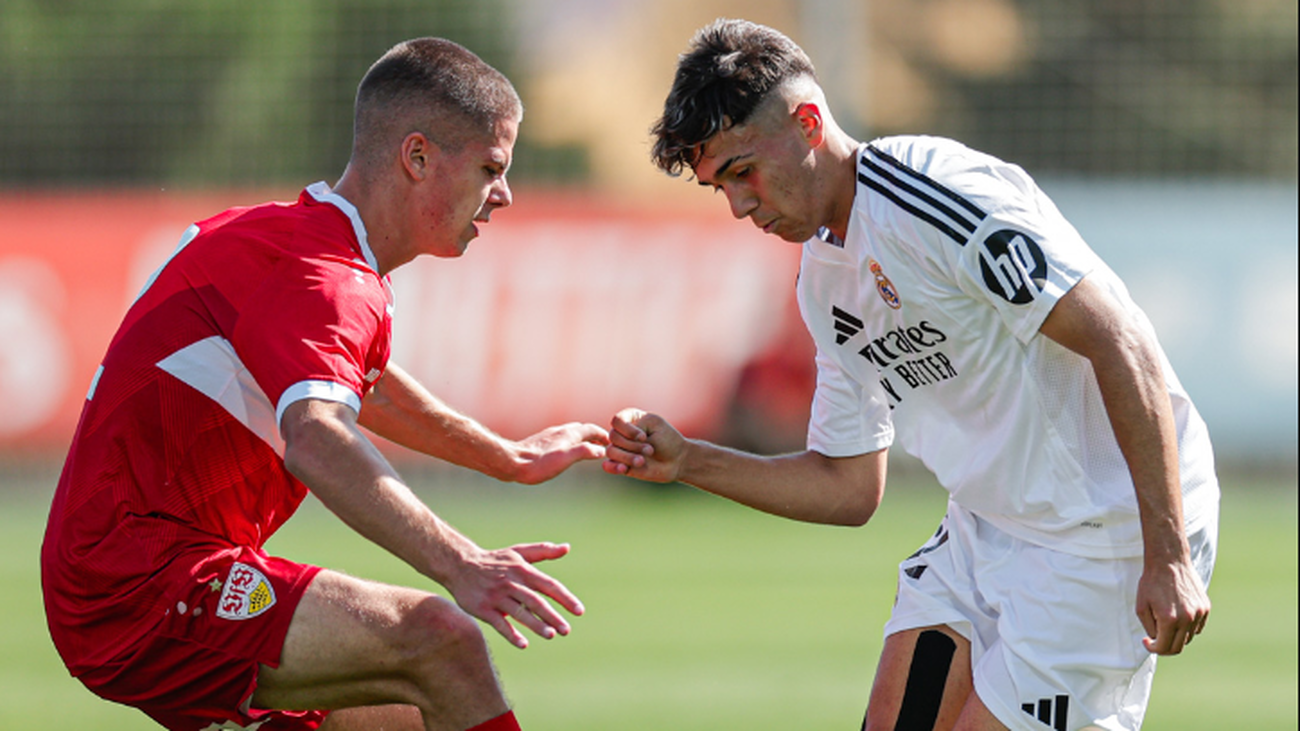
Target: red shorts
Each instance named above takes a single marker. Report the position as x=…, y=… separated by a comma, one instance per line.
x=198, y=668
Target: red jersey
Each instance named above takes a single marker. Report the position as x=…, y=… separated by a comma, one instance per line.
x=178, y=445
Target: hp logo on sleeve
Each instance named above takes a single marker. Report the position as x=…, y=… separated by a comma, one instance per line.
x=1013, y=266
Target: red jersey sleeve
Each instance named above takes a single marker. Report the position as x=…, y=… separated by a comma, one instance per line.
x=316, y=328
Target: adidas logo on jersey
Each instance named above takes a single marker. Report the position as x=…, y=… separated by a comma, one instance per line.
x=846, y=325
x=1050, y=711
x=908, y=350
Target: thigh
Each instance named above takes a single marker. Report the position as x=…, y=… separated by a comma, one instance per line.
x=923, y=680
x=369, y=718
x=354, y=642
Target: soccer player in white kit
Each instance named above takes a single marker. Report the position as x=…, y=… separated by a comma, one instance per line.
x=957, y=314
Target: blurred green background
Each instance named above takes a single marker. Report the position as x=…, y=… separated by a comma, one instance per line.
x=1166, y=129
x=705, y=615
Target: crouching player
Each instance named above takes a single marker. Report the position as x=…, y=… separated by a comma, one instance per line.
x=236, y=383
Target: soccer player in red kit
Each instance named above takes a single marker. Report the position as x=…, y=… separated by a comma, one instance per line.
x=237, y=382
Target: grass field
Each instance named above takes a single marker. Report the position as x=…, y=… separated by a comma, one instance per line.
x=704, y=615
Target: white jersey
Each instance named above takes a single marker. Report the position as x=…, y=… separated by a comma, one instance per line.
x=926, y=322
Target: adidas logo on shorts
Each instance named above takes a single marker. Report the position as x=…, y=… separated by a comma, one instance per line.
x=1054, y=711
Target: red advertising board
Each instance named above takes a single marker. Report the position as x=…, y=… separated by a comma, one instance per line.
x=564, y=309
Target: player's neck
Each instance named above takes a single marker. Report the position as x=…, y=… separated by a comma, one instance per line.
x=385, y=239
x=841, y=153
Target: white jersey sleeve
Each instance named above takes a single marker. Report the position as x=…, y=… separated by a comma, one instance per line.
x=848, y=418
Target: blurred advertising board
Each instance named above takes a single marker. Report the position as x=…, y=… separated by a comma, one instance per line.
x=1213, y=262
x=564, y=309
x=569, y=308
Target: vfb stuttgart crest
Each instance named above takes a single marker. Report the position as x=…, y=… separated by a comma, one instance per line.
x=247, y=593
x=884, y=286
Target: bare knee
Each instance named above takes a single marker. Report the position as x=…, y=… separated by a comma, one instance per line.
x=358, y=643
x=433, y=629
x=442, y=651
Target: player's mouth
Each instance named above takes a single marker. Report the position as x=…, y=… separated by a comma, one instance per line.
x=768, y=227
x=482, y=217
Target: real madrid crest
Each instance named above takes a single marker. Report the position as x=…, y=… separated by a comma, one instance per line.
x=884, y=286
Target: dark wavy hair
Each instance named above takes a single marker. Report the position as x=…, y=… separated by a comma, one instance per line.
x=724, y=75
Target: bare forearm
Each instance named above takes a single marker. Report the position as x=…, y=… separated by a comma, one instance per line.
x=1171, y=601
x=1137, y=405
x=401, y=410
x=803, y=486
x=351, y=478
x=327, y=451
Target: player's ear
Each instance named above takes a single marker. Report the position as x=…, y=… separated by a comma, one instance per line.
x=811, y=125
x=417, y=155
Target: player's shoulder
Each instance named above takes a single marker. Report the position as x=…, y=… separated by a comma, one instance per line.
x=305, y=227
x=941, y=175
x=925, y=154
x=245, y=228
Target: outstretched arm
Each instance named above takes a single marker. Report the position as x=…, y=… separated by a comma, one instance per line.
x=400, y=409
x=325, y=449
x=806, y=486
x=1171, y=600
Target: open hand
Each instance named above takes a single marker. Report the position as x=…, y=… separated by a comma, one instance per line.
x=555, y=449
x=500, y=585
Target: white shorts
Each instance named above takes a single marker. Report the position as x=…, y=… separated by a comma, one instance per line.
x=1055, y=639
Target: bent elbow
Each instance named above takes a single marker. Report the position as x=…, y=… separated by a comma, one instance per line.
x=295, y=461
x=855, y=486
x=855, y=513
x=857, y=517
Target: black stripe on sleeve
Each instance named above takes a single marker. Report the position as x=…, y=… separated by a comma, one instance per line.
x=913, y=209
x=921, y=177
x=939, y=207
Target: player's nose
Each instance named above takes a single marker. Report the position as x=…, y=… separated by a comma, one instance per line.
x=501, y=195
x=741, y=202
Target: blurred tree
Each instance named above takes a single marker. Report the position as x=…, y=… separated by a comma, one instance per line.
x=238, y=92
x=1115, y=87
x=203, y=92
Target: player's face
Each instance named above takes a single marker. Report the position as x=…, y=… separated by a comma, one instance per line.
x=469, y=184
x=765, y=167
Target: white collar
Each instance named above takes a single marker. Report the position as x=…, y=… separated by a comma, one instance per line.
x=321, y=192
